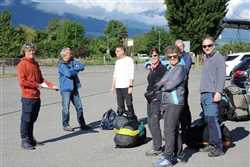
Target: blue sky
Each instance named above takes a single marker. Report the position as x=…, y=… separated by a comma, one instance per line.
x=150, y=12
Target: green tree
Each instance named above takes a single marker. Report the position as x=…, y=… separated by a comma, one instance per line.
x=116, y=29
x=236, y=47
x=28, y=33
x=71, y=34
x=192, y=20
x=10, y=38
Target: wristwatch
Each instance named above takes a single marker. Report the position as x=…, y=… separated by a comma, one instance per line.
x=131, y=86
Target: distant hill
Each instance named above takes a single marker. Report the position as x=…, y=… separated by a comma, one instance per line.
x=31, y=17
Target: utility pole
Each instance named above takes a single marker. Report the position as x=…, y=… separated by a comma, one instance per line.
x=159, y=40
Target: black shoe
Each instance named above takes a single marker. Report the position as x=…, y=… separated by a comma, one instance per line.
x=216, y=152
x=68, y=128
x=26, y=144
x=85, y=127
x=207, y=148
x=34, y=142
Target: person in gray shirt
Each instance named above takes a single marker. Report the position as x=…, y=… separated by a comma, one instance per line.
x=212, y=82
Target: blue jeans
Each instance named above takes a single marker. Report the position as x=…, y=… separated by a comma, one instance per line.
x=211, y=118
x=74, y=97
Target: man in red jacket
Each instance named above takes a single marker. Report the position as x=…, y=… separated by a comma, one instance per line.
x=30, y=79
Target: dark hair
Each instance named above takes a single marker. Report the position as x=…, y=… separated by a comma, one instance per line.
x=153, y=49
x=122, y=47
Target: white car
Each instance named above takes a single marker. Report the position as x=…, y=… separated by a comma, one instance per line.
x=233, y=60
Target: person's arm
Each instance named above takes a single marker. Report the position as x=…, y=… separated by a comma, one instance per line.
x=175, y=77
x=112, y=90
x=66, y=70
x=78, y=66
x=221, y=77
x=188, y=61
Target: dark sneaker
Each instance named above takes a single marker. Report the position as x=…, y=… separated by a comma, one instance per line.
x=68, y=128
x=152, y=152
x=207, y=148
x=215, y=153
x=179, y=160
x=85, y=127
x=34, y=142
x=26, y=145
x=163, y=162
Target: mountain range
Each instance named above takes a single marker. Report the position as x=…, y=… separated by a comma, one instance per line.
x=28, y=15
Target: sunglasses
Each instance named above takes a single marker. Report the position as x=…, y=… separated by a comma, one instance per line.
x=170, y=57
x=29, y=46
x=154, y=55
x=209, y=46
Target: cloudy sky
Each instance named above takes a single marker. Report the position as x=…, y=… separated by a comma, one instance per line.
x=148, y=11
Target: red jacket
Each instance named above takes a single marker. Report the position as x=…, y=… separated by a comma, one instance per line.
x=29, y=77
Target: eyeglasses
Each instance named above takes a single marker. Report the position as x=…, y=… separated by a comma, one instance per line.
x=29, y=46
x=171, y=57
x=154, y=55
x=117, y=51
x=209, y=46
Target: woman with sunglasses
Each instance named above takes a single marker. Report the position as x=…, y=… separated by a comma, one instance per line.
x=211, y=86
x=30, y=79
x=157, y=71
x=172, y=86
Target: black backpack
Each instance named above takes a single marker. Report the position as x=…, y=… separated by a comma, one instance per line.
x=131, y=134
x=197, y=136
x=107, y=122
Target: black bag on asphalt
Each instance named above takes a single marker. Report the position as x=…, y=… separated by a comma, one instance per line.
x=131, y=134
x=107, y=122
x=197, y=136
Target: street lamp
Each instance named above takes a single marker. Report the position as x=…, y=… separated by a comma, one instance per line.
x=159, y=40
x=107, y=45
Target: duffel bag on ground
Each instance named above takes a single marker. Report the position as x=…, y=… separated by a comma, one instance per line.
x=197, y=136
x=131, y=134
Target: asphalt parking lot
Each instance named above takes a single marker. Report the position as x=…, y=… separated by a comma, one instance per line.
x=96, y=148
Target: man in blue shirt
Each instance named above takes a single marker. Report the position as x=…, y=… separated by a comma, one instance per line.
x=186, y=119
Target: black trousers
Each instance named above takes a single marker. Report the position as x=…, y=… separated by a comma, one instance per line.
x=122, y=96
x=173, y=141
x=154, y=115
x=30, y=111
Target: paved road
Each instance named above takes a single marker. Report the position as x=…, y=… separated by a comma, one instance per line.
x=96, y=148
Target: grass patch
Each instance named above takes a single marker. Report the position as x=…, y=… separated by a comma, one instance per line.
x=7, y=75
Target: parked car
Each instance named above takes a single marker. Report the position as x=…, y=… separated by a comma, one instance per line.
x=239, y=73
x=143, y=56
x=163, y=59
x=233, y=60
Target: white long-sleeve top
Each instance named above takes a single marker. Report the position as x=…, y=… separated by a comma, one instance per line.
x=124, y=72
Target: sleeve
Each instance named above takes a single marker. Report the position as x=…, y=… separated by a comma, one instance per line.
x=66, y=70
x=221, y=66
x=175, y=77
x=188, y=62
x=131, y=69
x=78, y=66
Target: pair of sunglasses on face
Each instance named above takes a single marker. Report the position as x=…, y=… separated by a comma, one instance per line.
x=29, y=46
x=153, y=55
x=209, y=46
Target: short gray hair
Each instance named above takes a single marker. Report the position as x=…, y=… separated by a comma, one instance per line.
x=179, y=41
x=63, y=52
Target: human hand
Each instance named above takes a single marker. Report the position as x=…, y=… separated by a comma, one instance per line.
x=56, y=88
x=112, y=91
x=217, y=97
x=129, y=90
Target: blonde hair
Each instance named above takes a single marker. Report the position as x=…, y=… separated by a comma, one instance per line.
x=26, y=47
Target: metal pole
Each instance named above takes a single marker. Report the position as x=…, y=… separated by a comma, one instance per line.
x=159, y=39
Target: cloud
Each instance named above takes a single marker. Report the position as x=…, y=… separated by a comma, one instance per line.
x=239, y=9
x=150, y=12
